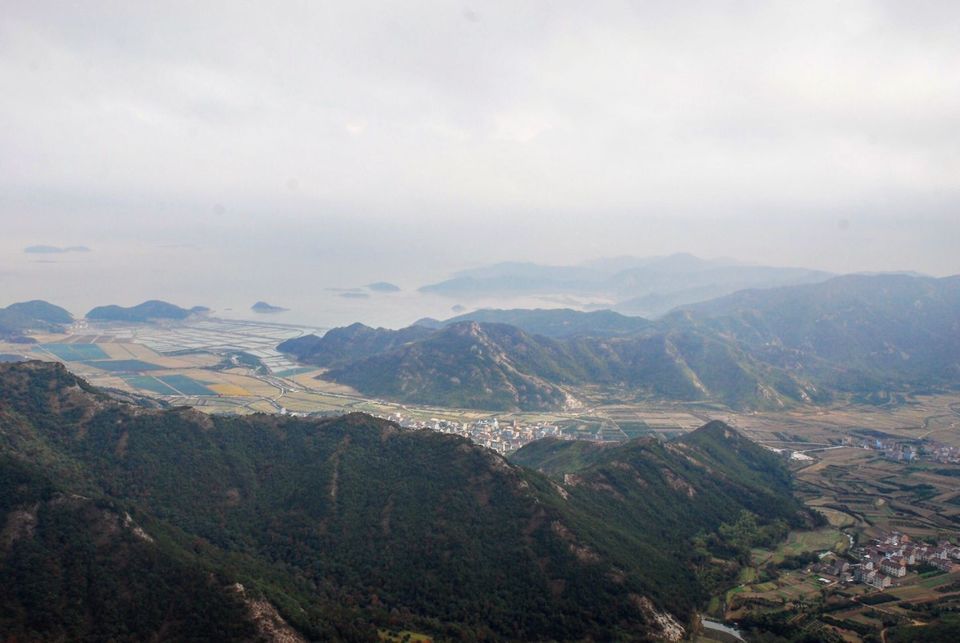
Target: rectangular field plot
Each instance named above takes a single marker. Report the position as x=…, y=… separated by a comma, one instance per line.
x=633, y=429
x=295, y=371
x=185, y=385
x=124, y=365
x=149, y=383
x=75, y=352
x=229, y=389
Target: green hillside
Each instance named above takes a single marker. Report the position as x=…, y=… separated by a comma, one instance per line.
x=555, y=457
x=852, y=333
x=490, y=366
x=76, y=569
x=347, y=525
x=501, y=367
x=35, y=315
x=859, y=336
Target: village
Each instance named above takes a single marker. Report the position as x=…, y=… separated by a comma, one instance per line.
x=889, y=559
x=904, y=451
x=488, y=432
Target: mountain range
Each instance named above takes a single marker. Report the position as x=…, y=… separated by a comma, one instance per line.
x=647, y=286
x=886, y=330
x=867, y=336
x=122, y=523
x=551, y=322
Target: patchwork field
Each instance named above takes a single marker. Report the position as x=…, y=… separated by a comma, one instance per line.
x=70, y=352
x=233, y=367
x=862, y=489
x=221, y=367
x=799, y=542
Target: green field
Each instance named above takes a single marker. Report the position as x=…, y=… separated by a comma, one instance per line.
x=799, y=542
x=124, y=365
x=168, y=384
x=747, y=575
x=634, y=429
x=75, y=352
x=149, y=383
x=290, y=372
x=837, y=518
x=185, y=385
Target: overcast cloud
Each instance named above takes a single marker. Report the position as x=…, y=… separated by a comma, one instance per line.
x=562, y=130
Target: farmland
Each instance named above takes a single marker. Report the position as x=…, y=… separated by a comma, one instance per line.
x=860, y=488
x=862, y=494
x=233, y=367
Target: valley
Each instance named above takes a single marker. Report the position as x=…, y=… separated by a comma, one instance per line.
x=868, y=451
x=340, y=525
x=231, y=366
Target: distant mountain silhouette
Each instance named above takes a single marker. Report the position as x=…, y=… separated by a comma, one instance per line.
x=867, y=336
x=646, y=286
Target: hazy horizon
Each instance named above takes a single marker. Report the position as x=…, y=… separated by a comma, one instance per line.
x=230, y=153
x=81, y=280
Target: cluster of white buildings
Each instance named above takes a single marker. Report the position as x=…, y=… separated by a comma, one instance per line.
x=888, y=558
x=941, y=452
x=488, y=432
x=907, y=452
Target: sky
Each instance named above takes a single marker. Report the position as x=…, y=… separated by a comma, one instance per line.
x=267, y=142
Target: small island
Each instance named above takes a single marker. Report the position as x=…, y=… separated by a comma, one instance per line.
x=147, y=311
x=264, y=307
x=383, y=286
x=48, y=250
x=37, y=315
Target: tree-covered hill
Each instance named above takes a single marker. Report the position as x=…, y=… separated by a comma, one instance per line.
x=342, y=345
x=866, y=336
x=147, y=311
x=468, y=365
x=74, y=568
x=346, y=525
x=35, y=315
x=501, y=367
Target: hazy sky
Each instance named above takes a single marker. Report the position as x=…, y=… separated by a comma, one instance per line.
x=370, y=139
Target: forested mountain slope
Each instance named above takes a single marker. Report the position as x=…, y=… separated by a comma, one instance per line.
x=346, y=525
x=866, y=336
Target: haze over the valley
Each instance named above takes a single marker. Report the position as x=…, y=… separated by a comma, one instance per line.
x=230, y=153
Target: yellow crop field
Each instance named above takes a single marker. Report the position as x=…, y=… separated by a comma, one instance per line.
x=229, y=389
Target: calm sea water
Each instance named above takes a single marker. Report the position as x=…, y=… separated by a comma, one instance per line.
x=318, y=290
